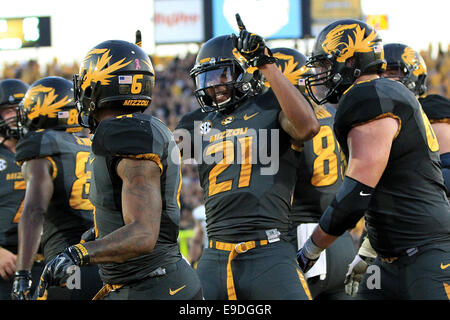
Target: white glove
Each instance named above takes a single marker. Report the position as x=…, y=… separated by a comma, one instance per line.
x=355, y=274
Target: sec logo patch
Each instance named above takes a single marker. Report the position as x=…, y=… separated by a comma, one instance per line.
x=3, y=164
x=205, y=127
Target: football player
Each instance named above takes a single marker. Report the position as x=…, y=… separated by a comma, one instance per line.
x=135, y=183
x=56, y=204
x=393, y=173
x=12, y=186
x=437, y=108
x=319, y=176
x=247, y=195
x=407, y=66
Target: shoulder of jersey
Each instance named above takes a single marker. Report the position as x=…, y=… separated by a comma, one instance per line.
x=361, y=102
x=267, y=100
x=325, y=112
x=37, y=144
x=130, y=134
x=188, y=119
x=436, y=107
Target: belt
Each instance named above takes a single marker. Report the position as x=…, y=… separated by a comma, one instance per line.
x=235, y=249
x=158, y=272
x=408, y=253
x=107, y=288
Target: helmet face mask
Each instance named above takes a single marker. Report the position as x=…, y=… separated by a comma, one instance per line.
x=343, y=51
x=222, y=77
x=12, y=92
x=115, y=74
x=48, y=104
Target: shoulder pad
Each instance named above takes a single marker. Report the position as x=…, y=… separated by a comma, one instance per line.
x=436, y=107
x=36, y=144
x=128, y=136
x=187, y=121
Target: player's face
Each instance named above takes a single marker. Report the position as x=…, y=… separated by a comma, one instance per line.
x=394, y=74
x=217, y=83
x=318, y=83
x=9, y=115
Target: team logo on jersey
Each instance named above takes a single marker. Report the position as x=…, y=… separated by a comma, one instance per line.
x=227, y=120
x=348, y=39
x=96, y=72
x=43, y=101
x=3, y=164
x=205, y=127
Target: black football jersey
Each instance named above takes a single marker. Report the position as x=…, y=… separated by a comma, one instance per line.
x=246, y=192
x=321, y=171
x=409, y=207
x=137, y=136
x=436, y=107
x=70, y=212
x=12, y=193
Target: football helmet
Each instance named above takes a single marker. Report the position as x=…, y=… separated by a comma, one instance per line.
x=114, y=74
x=222, y=76
x=11, y=93
x=343, y=51
x=49, y=104
x=407, y=66
x=292, y=64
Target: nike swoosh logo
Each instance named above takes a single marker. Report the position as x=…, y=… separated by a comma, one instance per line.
x=444, y=267
x=250, y=116
x=91, y=160
x=172, y=292
x=362, y=194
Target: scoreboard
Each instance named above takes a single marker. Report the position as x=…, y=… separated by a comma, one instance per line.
x=24, y=32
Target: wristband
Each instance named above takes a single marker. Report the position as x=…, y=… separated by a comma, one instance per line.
x=310, y=250
x=79, y=254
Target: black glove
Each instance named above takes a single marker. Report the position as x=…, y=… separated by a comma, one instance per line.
x=304, y=262
x=56, y=271
x=21, y=289
x=251, y=46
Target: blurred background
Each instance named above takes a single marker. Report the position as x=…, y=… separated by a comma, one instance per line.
x=46, y=37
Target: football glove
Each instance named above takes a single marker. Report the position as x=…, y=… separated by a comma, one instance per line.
x=21, y=289
x=251, y=46
x=357, y=268
x=57, y=271
x=354, y=276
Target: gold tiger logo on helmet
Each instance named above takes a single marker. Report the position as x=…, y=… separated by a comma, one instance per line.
x=348, y=39
x=411, y=58
x=289, y=67
x=49, y=106
x=97, y=72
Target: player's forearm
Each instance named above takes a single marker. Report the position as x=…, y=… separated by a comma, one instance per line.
x=321, y=238
x=29, y=231
x=297, y=109
x=130, y=241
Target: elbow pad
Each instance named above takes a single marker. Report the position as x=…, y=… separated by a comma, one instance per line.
x=348, y=206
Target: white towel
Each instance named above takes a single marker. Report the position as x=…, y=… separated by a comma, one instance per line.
x=304, y=231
